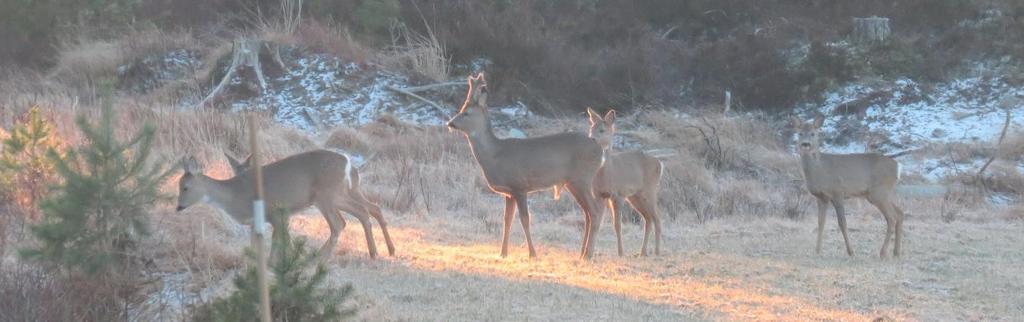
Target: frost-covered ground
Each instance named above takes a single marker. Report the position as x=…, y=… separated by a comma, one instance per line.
x=905, y=115
x=152, y=72
x=318, y=91
x=314, y=92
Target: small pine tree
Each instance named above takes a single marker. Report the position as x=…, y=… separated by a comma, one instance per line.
x=96, y=215
x=25, y=170
x=295, y=295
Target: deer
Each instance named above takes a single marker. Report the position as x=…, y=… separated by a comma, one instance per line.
x=833, y=178
x=516, y=167
x=320, y=178
x=633, y=176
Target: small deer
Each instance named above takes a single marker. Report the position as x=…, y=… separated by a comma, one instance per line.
x=322, y=178
x=634, y=176
x=515, y=167
x=832, y=178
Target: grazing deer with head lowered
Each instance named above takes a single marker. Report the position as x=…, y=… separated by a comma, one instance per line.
x=633, y=175
x=832, y=178
x=318, y=178
x=516, y=167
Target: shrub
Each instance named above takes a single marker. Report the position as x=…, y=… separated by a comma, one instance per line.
x=99, y=211
x=28, y=293
x=377, y=16
x=827, y=66
x=295, y=295
x=25, y=170
x=29, y=28
x=753, y=67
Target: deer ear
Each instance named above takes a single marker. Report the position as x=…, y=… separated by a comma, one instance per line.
x=818, y=121
x=609, y=117
x=191, y=166
x=232, y=161
x=480, y=78
x=594, y=116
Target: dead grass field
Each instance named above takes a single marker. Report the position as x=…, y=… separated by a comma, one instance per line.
x=738, y=240
x=751, y=269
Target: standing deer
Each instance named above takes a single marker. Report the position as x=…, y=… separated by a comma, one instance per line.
x=515, y=167
x=832, y=178
x=633, y=176
x=322, y=178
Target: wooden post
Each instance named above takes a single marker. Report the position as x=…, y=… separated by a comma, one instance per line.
x=259, y=221
x=728, y=102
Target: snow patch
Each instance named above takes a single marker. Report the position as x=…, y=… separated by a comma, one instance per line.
x=905, y=115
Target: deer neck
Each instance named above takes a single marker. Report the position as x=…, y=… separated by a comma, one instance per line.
x=606, y=155
x=484, y=144
x=811, y=164
x=233, y=196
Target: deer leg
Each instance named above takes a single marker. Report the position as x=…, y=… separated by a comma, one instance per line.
x=524, y=218
x=822, y=208
x=636, y=204
x=841, y=215
x=364, y=219
x=899, y=231
x=648, y=207
x=510, y=207
x=335, y=224
x=890, y=226
x=378, y=215
x=881, y=201
x=886, y=207
x=582, y=192
x=657, y=232
x=614, y=204
x=587, y=222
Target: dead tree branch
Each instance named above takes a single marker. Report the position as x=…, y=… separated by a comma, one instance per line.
x=995, y=153
x=421, y=98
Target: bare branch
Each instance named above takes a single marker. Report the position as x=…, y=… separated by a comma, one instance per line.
x=421, y=98
x=415, y=89
x=999, y=144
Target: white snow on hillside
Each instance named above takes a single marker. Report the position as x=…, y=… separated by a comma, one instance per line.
x=329, y=91
x=905, y=115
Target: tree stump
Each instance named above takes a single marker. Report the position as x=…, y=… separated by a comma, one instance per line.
x=245, y=52
x=871, y=29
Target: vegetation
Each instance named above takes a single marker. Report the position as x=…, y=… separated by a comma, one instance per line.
x=25, y=170
x=95, y=217
x=296, y=294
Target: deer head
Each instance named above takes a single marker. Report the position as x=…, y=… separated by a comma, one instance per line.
x=602, y=129
x=472, y=117
x=808, y=134
x=190, y=190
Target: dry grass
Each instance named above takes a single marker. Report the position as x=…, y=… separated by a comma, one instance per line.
x=753, y=265
x=731, y=269
x=87, y=61
x=333, y=40
x=737, y=241
x=424, y=55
